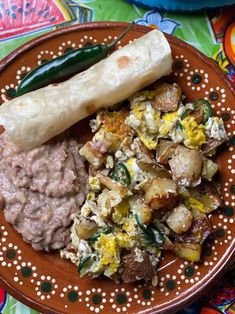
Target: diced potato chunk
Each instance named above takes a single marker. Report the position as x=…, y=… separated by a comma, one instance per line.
x=120, y=211
x=206, y=198
x=142, y=152
x=154, y=169
x=109, y=142
x=141, y=209
x=180, y=219
x=165, y=151
x=160, y=193
x=209, y=169
x=167, y=97
x=93, y=156
x=189, y=251
x=186, y=166
x=85, y=228
x=137, y=266
x=209, y=149
x=113, y=185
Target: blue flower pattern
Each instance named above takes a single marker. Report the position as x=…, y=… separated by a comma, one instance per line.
x=155, y=19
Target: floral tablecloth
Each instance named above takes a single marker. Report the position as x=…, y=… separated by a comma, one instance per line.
x=211, y=32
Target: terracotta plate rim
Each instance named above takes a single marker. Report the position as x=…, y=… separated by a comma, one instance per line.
x=224, y=263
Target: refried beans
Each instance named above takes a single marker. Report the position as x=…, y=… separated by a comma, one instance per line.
x=41, y=190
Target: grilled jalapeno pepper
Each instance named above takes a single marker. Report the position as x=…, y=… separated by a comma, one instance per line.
x=153, y=235
x=199, y=104
x=121, y=174
x=65, y=66
x=186, y=113
x=83, y=262
x=95, y=237
x=204, y=105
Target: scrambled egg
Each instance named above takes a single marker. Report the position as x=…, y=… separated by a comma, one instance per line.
x=119, y=208
x=90, y=196
x=194, y=133
x=146, y=121
x=120, y=211
x=125, y=241
x=129, y=226
x=169, y=121
x=132, y=167
x=107, y=200
x=148, y=141
x=94, y=184
x=107, y=247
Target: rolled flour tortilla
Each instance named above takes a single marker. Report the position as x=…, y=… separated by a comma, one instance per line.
x=34, y=118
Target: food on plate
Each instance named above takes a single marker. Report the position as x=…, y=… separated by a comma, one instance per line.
x=65, y=66
x=150, y=185
x=144, y=182
x=34, y=118
x=41, y=190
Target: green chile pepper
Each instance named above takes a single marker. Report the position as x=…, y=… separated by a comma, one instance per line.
x=203, y=104
x=153, y=235
x=83, y=262
x=65, y=66
x=121, y=174
x=96, y=236
x=198, y=104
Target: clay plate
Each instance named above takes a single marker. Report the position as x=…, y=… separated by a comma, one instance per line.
x=52, y=285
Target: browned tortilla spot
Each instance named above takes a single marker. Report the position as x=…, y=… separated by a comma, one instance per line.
x=122, y=62
x=90, y=108
x=1, y=129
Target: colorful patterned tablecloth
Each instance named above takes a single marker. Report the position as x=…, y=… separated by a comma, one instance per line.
x=211, y=32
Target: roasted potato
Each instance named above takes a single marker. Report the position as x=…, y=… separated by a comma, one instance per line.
x=199, y=231
x=113, y=185
x=137, y=266
x=209, y=149
x=85, y=228
x=154, y=169
x=92, y=155
x=110, y=143
x=165, y=151
x=160, y=193
x=180, y=219
x=208, y=196
x=141, y=209
x=142, y=152
x=186, y=166
x=189, y=251
x=209, y=169
x=167, y=97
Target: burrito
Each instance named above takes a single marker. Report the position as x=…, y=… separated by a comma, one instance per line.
x=34, y=118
